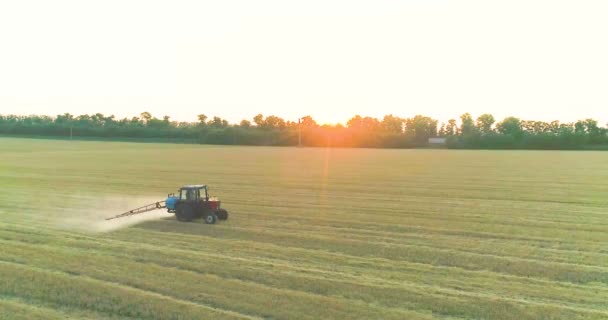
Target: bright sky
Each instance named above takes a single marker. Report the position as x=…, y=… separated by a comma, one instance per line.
x=331, y=59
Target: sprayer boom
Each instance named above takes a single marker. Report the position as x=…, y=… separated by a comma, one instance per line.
x=146, y=208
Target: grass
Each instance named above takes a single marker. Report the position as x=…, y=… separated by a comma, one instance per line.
x=313, y=233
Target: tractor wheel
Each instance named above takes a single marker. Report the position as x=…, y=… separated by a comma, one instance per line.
x=184, y=212
x=222, y=214
x=211, y=218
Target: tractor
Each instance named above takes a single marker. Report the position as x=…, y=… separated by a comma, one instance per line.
x=191, y=202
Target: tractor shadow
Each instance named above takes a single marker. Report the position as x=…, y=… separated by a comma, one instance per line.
x=172, y=225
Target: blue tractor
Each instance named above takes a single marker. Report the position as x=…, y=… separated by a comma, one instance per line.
x=191, y=202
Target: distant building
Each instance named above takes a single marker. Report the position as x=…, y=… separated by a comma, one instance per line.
x=437, y=141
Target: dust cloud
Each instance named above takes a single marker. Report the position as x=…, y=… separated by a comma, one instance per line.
x=89, y=214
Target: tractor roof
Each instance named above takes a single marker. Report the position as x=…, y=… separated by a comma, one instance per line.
x=194, y=186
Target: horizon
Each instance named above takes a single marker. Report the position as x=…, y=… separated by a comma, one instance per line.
x=236, y=122
x=537, y=60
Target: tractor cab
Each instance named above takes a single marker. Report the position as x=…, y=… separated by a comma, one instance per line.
x=194, y=193
x=194, y=202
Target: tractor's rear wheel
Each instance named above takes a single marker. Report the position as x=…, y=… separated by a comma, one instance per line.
x=184, y=212
x=211, y=218
x=222, y=214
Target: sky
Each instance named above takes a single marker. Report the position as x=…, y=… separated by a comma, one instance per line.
x=331, y=59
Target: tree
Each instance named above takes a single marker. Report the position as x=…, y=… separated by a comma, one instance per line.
x=135, y=122
x=591, y=127
x=363, y=124
x=527, y=126
x=274, y=122
x=421, y=128
x=109, y=120
x=566, y=128
x=146, y=116
x=580, y=127
x=484, y=123
x=245, y=124
x=259, y=120
x=308, y=121
x=65, y=118
x=450, y=129
x=354, y=122
x=392, y=124
x=468, y=125
x=216, y=122
x=510, y=126
x=85, y=120
x=442, y=132
x=202, y=119
x=553, y=127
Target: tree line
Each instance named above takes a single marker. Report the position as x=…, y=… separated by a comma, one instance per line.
x=483, y=132
x=514, y=133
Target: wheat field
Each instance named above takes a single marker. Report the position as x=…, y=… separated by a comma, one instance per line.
x=312, y=234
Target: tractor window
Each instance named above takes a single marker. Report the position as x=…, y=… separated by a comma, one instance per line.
x=188, y=194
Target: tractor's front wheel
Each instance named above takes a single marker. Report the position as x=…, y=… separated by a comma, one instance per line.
x=222, y=214
x=184, y=212
x=211, y=218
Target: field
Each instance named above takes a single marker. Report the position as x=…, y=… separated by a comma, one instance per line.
x=313, y=233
